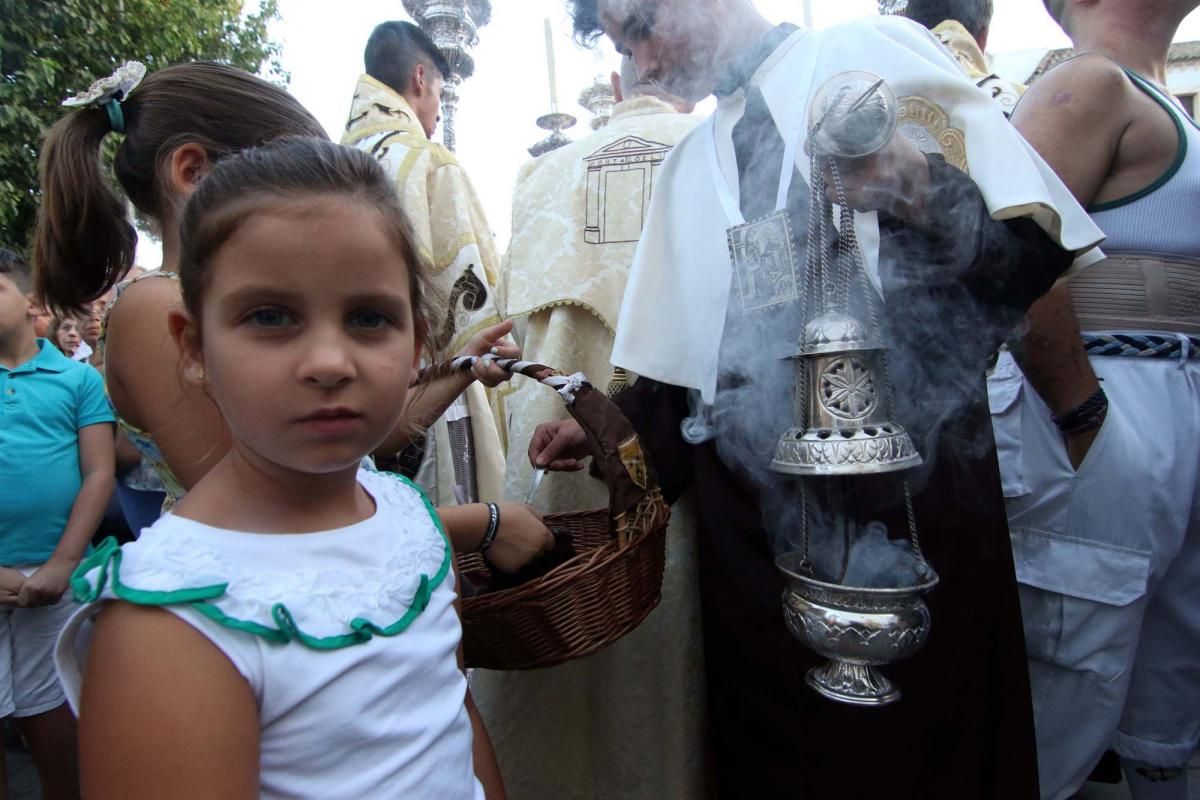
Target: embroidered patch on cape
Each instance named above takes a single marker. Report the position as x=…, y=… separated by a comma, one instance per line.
x=630, y=452
x=927, y=125
x=764, y=261
x=468, y=295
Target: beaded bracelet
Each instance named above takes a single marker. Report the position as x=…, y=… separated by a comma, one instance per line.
x=489, y=536
x=1087, y=416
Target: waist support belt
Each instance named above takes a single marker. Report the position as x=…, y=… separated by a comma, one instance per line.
x=1138, y=291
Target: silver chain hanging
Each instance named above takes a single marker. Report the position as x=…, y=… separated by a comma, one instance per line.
x=847, y=242
x=850, y=260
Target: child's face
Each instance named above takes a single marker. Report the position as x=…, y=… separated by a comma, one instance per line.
x=16, y=309
x=92, y=319
x=67, y=337
x=307, y=334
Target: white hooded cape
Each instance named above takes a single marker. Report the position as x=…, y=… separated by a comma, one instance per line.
x=673, y=313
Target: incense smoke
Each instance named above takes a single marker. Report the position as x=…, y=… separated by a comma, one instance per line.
x=940, y=339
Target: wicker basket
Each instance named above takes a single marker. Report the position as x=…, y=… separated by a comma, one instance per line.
x=615, y=578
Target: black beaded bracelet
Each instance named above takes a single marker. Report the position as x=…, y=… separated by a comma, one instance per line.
x=489, y=536
x=1087, y=416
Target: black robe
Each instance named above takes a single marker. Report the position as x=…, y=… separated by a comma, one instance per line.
x=964, y=726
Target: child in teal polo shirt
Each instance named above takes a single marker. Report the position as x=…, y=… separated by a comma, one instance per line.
x=56, y=477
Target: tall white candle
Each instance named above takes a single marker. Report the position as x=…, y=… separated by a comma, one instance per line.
x=550, y=66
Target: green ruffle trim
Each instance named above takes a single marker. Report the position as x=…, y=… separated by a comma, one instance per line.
x=107, y=559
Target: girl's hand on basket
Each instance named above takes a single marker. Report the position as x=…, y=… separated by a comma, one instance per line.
x=559, y=446
x=521, y=537
x=489, y=340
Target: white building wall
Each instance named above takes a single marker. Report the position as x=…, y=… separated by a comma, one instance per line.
x=1184, y=80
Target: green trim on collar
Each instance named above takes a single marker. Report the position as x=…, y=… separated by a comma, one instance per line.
x=107, y=559
x=48, y=359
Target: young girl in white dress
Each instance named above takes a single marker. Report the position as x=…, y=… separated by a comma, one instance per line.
x=290, y=629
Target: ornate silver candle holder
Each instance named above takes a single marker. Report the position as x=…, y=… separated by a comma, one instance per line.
x=555, y=122
x=598, y=99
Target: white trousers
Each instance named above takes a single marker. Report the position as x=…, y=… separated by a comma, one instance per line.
x=1108, y=561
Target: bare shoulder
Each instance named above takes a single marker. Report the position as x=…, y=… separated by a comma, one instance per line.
x=164, y=712
x=1088, y=85
x=146, y=300
x=139, y=348
x=137, y=323
x=1076, y=116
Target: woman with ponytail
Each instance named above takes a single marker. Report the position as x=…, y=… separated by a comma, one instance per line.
x=172, y=127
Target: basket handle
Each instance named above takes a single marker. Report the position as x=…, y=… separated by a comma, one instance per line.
x=444, y=369
x=635, y=502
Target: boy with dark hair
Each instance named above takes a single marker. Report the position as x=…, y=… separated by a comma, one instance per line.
x=393, y=114
x=402, y=56
x=56, y=475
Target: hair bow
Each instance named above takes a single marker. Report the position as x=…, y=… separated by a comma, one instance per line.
x=107, y=93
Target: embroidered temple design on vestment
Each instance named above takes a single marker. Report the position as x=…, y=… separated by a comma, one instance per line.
x=625, y=168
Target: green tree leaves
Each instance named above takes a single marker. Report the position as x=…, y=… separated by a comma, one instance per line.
x=50, y=49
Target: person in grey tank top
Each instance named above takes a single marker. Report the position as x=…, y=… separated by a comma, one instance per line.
x=1097, y=419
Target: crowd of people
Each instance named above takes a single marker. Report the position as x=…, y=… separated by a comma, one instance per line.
x=280, y=617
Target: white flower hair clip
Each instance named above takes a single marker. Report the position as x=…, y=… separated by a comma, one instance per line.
x=107, y=93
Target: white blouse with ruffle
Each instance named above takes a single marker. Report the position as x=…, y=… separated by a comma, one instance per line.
x=347, y=637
